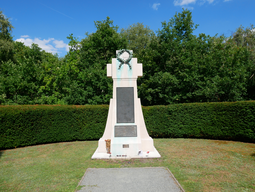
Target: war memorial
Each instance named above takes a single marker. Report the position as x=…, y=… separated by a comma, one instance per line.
x=125, y=134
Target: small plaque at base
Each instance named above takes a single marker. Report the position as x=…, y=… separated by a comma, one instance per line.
x=125, y=131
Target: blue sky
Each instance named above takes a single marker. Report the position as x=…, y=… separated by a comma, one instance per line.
x=48, y=23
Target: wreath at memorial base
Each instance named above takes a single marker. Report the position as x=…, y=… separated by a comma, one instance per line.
x=123, y=61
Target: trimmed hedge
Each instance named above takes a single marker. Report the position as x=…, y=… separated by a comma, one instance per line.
x=222, y=120
x=29, y=125
x=38, y=124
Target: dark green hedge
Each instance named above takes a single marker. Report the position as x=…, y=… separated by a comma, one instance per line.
x=37, y=124
x=223, y=120
x=29, y=125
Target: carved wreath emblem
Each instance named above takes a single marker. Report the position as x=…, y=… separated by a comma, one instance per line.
x=123, y=61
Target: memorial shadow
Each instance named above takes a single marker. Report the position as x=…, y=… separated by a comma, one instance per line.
x=253, y=154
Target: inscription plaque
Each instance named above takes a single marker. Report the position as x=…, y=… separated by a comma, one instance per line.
x=125, y=131
x=125, y=104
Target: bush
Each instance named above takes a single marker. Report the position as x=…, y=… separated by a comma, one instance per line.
x=219, y=120
x=38, y=124
x=30, y=125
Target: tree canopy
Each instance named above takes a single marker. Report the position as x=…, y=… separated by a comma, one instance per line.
x=138, y=37
x=6, y=46
x=179, y=67
x=5, y=27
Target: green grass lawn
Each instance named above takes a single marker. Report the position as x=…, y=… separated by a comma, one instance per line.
x=198, y=165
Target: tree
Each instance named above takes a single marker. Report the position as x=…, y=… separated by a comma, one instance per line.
x=101, y=46
x=91, y=86
x=138, y=37
x=182, y=68
x=60, y=74
x=20, y=81
x=31, y=79
x=161, y=59
x=5, y=27
x=6, y=42
x=246, y=38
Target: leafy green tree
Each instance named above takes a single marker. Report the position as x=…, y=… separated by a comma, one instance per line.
x=21, y=80
x=19, y=67
x=72, y=58
x=246, y=38
x=138, y=37
x=60, y=74
x=160, y=58
x=180, y=67
x=5, y=27
x=6, y=42
x=51, y=88
x=6, y=50
x=10, y=78
x=91, y=86
x=28, y=80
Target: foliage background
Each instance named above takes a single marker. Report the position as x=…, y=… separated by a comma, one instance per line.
x=178, y=66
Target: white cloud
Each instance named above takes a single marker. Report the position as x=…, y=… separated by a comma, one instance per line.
x=61, y=44
x=49, y=45
x=183, y=2
x=24, y=36
x=27, y=42
x=155, y=6
x=44, y=44
x=187, y=2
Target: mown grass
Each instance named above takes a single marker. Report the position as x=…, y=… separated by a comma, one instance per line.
x=198, y=165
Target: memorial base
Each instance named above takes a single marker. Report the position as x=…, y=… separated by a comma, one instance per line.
x=127, y=148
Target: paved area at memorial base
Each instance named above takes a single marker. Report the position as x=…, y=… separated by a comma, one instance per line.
x=129, y=180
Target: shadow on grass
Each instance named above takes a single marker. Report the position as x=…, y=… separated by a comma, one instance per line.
x=1, y=153
x=253, y=154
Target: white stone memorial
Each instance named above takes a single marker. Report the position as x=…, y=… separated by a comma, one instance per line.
x=125, y=134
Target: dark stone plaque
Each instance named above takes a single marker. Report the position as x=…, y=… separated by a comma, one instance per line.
x=125, y=131
x=125, y=105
